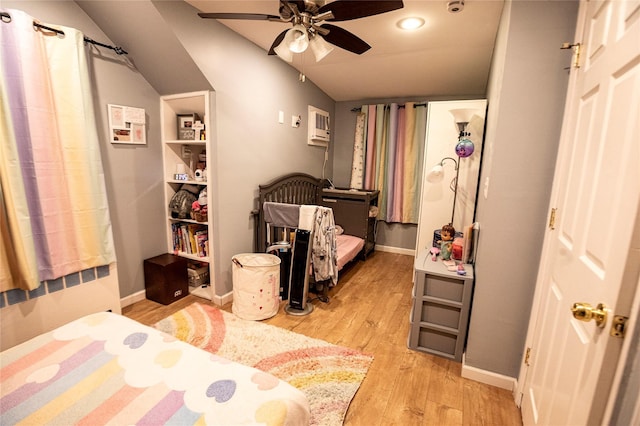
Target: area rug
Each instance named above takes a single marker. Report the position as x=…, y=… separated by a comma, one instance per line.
x=329, y=375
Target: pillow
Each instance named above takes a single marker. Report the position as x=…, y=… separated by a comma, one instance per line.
x=339, y=230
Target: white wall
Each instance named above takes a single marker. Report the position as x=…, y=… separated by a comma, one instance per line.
x=436, y=199
x=526, y=95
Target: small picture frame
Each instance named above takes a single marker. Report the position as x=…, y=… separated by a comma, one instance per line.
x=187, y=126
x=186, y=134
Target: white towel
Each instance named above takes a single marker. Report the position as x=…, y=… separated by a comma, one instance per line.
x=307, y=217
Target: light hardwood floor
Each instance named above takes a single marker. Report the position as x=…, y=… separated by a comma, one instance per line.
x=369, y=310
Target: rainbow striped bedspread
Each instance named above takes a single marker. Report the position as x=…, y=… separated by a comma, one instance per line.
x=107, y=369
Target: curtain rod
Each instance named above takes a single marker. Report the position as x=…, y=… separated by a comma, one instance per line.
x=387, y=106
x=6, y=18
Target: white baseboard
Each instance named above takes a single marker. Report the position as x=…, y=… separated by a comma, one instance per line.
x=397, y=250
x=224, y=299
x=141, y=295
x=489, y=377
x=132, y=298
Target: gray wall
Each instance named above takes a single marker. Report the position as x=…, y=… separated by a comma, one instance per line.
x=132, y=184
x=526, y=97
x=251, y=146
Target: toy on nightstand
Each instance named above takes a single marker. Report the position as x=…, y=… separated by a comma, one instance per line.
x=446, y=243
x=434, y=253
x=461, y=270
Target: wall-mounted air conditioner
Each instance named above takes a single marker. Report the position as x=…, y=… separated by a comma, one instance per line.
x=319, y=130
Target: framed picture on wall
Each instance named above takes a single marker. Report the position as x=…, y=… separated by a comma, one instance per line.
x=127, y=125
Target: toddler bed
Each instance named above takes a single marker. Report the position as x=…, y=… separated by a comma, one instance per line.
x=108, y=369
x=301, y=189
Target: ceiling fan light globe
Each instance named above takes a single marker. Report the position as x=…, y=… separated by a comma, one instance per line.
x=320, y=47
x=297, y=39
x=282, y=50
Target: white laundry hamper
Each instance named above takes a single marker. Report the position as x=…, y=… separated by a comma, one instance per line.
x=256, y=285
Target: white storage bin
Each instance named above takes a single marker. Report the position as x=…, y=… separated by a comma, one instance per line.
x=256, y=285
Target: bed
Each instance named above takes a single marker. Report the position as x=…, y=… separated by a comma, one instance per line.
x=108, y=369
x=303, y=189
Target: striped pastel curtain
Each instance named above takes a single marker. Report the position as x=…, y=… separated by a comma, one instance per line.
x=357, y=167
x=392, y=137
x=55, y=217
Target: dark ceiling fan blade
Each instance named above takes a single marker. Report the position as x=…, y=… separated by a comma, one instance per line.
x=249, y=16
x=299, y=3
x=277, y=41
x=345, y=40
x=345, y=10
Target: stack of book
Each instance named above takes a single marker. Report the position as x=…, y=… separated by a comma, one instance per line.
x=190, y=239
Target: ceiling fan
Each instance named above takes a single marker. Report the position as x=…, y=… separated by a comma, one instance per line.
x=309, y=28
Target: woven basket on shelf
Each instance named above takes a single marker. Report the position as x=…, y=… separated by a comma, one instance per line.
x=197, y=216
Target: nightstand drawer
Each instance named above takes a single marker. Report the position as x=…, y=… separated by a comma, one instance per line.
x=434, y=313
x=433, y=340
x=443, y=288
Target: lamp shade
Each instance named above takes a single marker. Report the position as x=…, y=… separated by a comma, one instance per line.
x=282, y=50
x=297, y=39
x=320, y=47
x=436, y=174
x=462, y=117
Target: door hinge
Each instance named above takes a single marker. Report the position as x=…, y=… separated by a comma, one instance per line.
x=619, y=326
x=527, y=355
x=552, y=219
x=575, y=63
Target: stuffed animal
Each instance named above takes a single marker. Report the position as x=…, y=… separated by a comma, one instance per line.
x=434, y=253
x=182, y=200
x=199, y=207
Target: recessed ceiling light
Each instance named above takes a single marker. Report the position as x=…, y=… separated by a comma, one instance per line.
x=411, y=23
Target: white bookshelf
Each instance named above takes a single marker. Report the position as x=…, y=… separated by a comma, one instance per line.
x=175, y=161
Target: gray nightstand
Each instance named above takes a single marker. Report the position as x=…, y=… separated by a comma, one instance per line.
x=441, y=303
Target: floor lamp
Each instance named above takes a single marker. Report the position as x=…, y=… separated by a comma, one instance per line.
x=436, y=174
x=464, y=148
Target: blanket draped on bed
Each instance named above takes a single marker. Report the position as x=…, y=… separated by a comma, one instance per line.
x=324, y=254
x=319, y=220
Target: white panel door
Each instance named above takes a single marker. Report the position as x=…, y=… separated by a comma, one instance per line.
x=596, y=191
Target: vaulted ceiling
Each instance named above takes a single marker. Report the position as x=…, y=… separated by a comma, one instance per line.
x=449, y=56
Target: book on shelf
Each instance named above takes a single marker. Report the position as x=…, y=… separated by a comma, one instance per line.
x=470, y=238
x=190, y=239
x=202, y=240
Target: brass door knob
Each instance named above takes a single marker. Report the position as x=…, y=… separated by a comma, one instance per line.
x=586, y=312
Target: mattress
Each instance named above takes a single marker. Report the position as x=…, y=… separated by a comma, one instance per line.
x=348, y=248
x=108, y=369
